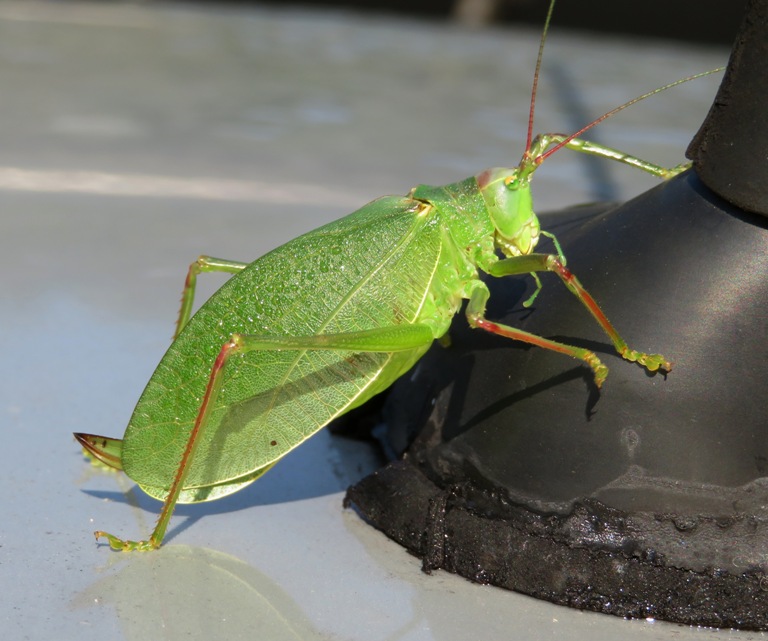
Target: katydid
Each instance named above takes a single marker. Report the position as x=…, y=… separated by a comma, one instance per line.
x=266, y=362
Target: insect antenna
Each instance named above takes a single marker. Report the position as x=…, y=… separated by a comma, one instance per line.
x=536, y=71
x=562, y=143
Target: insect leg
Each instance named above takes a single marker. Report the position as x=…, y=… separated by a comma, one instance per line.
x=394, y=338
x=385, y=339
x=545, y=262
x=544, y=141
x=587, y=147
x=204, y=264
x=476, y=317
x=535, y=276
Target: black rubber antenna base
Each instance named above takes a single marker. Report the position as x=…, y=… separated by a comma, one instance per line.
x=647, y=499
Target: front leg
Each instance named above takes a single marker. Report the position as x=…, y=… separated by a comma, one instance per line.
x=546, y=262
x=595, y=149
x=543, y=142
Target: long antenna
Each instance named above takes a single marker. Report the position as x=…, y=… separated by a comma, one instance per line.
x=536, y=75
x=539, y=159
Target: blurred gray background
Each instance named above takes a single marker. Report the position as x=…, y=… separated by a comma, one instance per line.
x=704, y=20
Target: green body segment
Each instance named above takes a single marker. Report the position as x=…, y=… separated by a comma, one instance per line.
x=394, y=261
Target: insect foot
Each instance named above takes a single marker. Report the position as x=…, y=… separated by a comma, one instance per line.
x=120, y=545
x=651, y=362
x=600, y=370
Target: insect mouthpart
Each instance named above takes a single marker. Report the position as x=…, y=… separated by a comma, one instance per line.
x=523, y=242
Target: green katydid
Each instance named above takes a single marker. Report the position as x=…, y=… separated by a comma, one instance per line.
x=265, y=362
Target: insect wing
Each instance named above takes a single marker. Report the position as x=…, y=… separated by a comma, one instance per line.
x=368, y=270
